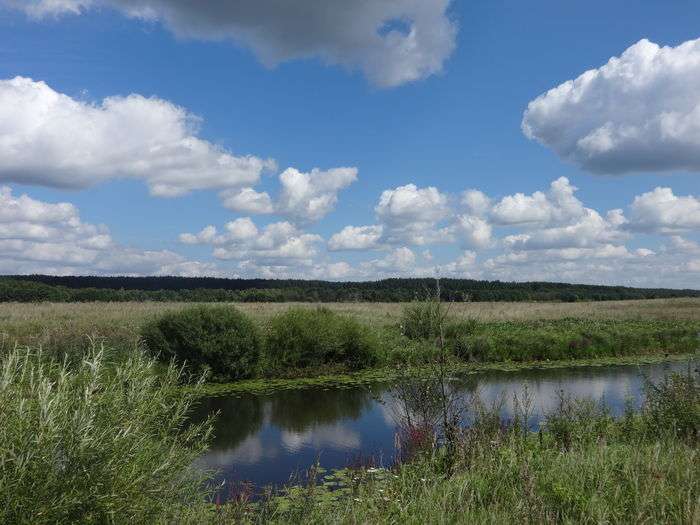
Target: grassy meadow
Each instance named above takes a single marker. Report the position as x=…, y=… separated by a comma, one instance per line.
x=476, y=332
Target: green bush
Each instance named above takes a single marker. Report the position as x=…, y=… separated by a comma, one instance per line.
x=673, y=406
x=95, y=444
x=302, y=338
x=220, y=339
x=423, y=320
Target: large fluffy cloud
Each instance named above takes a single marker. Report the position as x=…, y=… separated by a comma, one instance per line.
x=663, y=212
x=304, y=197
x=356, y=238
x=557, y=206
x=638, y=112
x=307, y=197
x=590, y=230
x=42, y=237
x=51, y=139
x=412, y=215
x=554, y=219
x=391, y=41
x=275, y=244
x=419, y=216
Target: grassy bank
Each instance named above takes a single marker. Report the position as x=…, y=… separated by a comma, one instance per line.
x=515, y=480
x=303, y=341
x=264, y=386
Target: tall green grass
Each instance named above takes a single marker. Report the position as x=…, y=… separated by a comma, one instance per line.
x=569, y=339
x=95, y=443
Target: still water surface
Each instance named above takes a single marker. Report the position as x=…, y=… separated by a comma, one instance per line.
x=265, y=438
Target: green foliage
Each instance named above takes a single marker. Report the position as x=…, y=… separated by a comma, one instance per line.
x=568, y=339
x=673, y=406
x=303, y=338
x=423, y=320
x=220, y=339
x=33, y=288
x=94, y=443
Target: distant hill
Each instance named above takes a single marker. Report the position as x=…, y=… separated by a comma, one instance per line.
x=31, y=288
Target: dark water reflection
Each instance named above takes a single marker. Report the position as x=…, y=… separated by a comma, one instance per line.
x=264, y=439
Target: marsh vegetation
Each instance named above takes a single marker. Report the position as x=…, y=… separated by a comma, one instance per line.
x=296, y=340
x=96, y=399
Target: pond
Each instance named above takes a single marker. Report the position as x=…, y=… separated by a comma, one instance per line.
x=264, y=439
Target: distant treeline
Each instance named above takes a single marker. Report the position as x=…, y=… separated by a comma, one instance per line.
x=33, y=288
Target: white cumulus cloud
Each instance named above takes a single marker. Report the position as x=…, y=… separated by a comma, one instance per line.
x=304, y=197
x=50, y=139
x=411, y=215
x=558, y=205
x=356, y=238
x=247, y=200
x=276, y=244
x=307, y=197
x=663, y=212
x=42, y=237
x=639, y=112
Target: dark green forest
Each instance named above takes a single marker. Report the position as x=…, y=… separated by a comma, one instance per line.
x=35, y=288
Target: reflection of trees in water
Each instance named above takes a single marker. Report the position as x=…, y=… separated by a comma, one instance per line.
x=238, y=418
x=300, y=410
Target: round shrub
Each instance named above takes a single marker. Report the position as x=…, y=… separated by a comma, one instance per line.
x=422, y=320
x=301, y=338
x=220, y=339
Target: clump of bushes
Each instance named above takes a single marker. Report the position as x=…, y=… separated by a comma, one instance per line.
x=303, y=338
x=96, y=443
x=673, y=405
x=424, y=320
x=218, y=339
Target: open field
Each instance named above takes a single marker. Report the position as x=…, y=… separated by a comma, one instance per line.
x=126, y=318
x=120, y=323
x=486, y=332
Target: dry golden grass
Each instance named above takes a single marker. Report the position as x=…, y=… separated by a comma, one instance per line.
x=120, y=323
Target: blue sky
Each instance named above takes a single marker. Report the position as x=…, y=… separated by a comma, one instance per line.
x=446, y=114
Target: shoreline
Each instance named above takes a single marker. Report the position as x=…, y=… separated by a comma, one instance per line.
x=388, y=374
